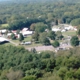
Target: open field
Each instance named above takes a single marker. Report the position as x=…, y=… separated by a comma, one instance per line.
x=69, y=33
x=28, y=38
x=3, y=26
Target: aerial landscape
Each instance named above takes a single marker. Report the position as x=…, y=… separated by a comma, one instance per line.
x=39, y=39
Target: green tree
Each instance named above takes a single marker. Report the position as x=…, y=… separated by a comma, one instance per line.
x=56, y=21
x=74, y=41
x=32, y=27
x=44, y=39
x=52, y=35
x=35, y=36
x=13, y=36
x=18, y=31
x=59, y=35
x=55, y=44
x=78, y=32
x=21, y=37
x=62, y=72
x=77, y=74
x=75, y=22
x=40, y=27
x=29, y=78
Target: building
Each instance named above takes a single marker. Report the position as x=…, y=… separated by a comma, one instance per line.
x=26, y=33
x=55, y=29
x=3, y=40
x=3, y=31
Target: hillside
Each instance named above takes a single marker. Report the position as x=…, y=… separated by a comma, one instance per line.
x=16, y=63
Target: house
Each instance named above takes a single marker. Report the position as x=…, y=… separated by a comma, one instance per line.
x=3, y=31
x=9, y=34
x=24, y=29
x=63, y=30
x=14, y=31
x=56, y=29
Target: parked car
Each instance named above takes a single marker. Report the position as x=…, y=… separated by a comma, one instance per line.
x=26, y=43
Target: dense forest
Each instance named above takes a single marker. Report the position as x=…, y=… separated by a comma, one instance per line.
x=31, y=12
x=16, y=63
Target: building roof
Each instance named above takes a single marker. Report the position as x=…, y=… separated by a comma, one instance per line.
x=2, y=39
x=24, y=29
x=3, y=30
x=27, y=32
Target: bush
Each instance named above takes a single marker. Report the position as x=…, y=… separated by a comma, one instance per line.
x=56, y=44
x=29, y=78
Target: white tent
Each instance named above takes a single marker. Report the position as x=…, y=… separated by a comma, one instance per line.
x=3, y=40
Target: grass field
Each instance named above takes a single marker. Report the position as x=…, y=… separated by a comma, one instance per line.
x=16, y=41
x=28, y=38
x=3, y=26
x=69, y=33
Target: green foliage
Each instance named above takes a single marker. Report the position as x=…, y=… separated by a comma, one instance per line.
x=36, y=72
x=40, y=27
x=14, y=75
x=56, y=22
x=17, y=63
x=75, y=22
x=32, y=27
x=62, y=72
x=78, y=32
x=44, y=39
x=55, y=44
x=74, y=41
x=21, y=37
x=52, y=35
x=29, y=78
x=59, y=35
x=35, y=36
x=13, y=36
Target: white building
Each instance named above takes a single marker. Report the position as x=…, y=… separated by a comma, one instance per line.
x=2, y=39
x=25, y=33
x=56, y=29
x=63, y=30
x=24, y=29
x=9, y=34
x=3, y=31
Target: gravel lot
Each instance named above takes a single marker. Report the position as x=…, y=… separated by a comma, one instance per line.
x=42, y=48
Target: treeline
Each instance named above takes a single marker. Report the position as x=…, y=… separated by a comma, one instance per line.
x=16, y=63
x=20, y=24
x=47, y=11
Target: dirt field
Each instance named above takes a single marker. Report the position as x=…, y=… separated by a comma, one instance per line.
x=42, y=48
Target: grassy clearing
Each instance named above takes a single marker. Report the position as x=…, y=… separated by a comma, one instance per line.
x=16, y=41
x=69, y=33
x=4, y=26
x=25, y=39
x=28, y=38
